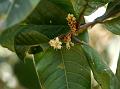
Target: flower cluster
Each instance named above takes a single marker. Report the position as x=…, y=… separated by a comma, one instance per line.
x=72, y=23
x=55, y=43
x=67, y=40
x=69, y=44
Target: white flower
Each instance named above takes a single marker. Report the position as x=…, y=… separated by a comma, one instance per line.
x=55, y=43
x=69, y=44
x=71, y=17
x=72, y=44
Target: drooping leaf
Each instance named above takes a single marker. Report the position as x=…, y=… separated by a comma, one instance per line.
x=102, y=73
x=7, y=37
x=34, y=38
x=25, y=39
x=63, y=69
x=118, y=68
x=15, y=11
x=27, y=74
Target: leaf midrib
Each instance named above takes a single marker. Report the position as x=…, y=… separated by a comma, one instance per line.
x=10, y=8
x=65, y=70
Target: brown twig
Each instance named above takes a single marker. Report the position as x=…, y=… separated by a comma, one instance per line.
x=85, y=26
x=74, y=29
x=81, y=29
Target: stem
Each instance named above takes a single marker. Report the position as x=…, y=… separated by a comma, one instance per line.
x=79, y=41
x=81, y=28
x=85, y=26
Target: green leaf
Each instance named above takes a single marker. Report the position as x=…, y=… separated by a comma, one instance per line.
x=25, y=39
x=50, y=15
x=7, y=37
x=64, y=69
x=112, y=11
x=102, y=73
x=111, y=19
x=93, y=5
x=83, y=36
x=113, y=26
x=35, y=37
x=15, y=11
x=79, y=7
x=27, y=74
x=118, y=68
x=51, y=12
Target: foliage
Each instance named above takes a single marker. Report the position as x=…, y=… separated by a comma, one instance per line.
x=29, y=25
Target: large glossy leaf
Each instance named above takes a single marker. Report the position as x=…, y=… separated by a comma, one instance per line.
x=36, y=37
x=14, y=11
x=64, y=69
x=102, y=73
x=118, y=68
x=27, y=74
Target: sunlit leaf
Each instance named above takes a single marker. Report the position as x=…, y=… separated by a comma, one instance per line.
x=15, y=11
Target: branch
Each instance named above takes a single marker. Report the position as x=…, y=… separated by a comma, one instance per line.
x=85, y=26
x=81, y=29
x=74, y=31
